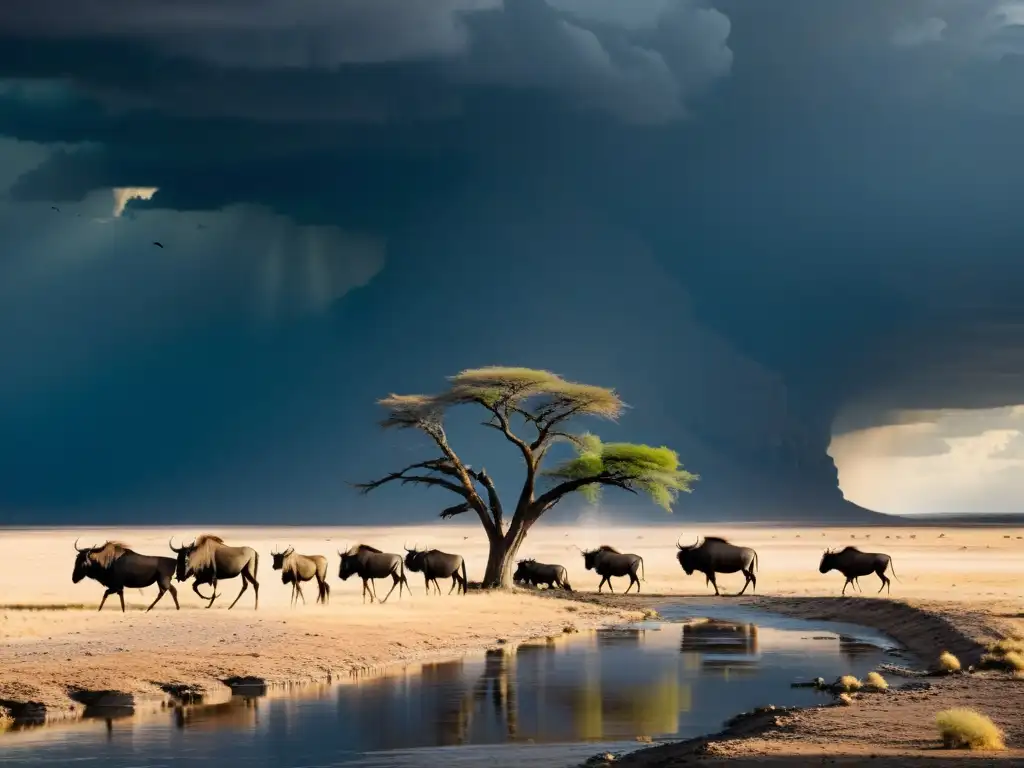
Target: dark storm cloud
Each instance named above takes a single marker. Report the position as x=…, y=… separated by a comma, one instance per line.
x=818, y=185
x=343, y=60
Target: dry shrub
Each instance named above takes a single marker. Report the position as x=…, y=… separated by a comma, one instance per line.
x=849, y=683
x=1007, y=645
x=6, y=721
x=1007, y=654
x=948, y=662
x=875, y=682
x=846, y=699
x=967, y=729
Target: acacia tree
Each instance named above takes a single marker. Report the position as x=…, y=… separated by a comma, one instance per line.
x=544, y=403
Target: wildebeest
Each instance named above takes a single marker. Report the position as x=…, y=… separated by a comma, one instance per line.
x=533, y=573
x=296, y=568
x=209, y=559
x=608, y=562
x=369, y=563
x=716, y=555
x=434, y=565
x=117, y=567
x=853, y=564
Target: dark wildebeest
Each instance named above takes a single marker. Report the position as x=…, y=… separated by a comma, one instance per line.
x=608, y=562
x=716, y=555
x=368, y=564
x=434, y=565
x=853, y=564
x=533, y=573
x=298, y=568
x=116, y=567
x=209, y=559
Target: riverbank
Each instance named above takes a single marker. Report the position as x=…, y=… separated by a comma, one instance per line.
x=892, y=729
x=63, y=659
x=55, y=649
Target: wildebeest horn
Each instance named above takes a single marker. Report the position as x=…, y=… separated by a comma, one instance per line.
x=170, y=543
x=678, y=545
x=77, y=549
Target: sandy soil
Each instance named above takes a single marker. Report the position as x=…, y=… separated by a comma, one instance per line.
x=957, y=589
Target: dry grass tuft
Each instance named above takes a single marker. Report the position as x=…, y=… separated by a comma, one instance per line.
x=1007, y=645
x=1007, y=654
x=948, y=662
x=846, y=699
x=849, y=683
x=875, y=682
x=6, y=721
x=967, y=729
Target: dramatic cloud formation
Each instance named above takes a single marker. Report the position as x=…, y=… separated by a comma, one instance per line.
x=936, y=461
x=122, y=195
x=765, y=222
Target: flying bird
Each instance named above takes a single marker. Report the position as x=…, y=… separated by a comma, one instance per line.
x=55, y=208
x=158, y=244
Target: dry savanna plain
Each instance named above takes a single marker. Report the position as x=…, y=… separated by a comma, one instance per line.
x=956, y=589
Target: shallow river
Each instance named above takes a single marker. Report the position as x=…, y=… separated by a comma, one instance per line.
x=552, y=704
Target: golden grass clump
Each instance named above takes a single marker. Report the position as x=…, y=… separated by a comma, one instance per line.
x=1007, y=654
x=6, y=721
x=967, y=729
x=846, y=699
x=948, y=662
x=1008, y=645
x=875, y=682
x=849, y=683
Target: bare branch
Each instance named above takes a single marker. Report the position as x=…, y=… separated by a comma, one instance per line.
x=458, y=509
x=404, y=479
x=492, y=496
x=553, y=496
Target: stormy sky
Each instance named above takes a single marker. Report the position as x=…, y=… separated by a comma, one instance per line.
x=764, y=223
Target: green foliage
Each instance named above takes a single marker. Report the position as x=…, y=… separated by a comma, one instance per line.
x=642, y=468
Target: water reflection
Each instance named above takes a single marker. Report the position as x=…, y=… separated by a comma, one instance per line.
x=654, y=681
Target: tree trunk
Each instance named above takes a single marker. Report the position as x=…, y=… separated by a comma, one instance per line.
x=501, y=558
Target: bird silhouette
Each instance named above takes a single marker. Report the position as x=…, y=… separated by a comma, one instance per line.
x=158, y=244
x=54, y=207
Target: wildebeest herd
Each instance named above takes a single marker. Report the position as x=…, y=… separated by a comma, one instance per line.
x=209, y=560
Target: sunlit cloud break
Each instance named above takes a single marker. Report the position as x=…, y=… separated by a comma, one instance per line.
x=123, y=194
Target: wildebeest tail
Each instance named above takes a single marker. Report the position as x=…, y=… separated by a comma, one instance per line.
x=255, y=562
x=892, y=567
x=642, y=576
x=465, y=578
x=755, y=560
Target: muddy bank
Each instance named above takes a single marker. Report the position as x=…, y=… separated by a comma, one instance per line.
x=894, y=728
x=58, y=663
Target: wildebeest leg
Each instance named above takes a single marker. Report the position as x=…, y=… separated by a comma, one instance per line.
x=714, y=583
x=426, y=580
x=394, y=583
x=174, y=595
x=245, y=586
x=120, y=594
x=455, y=583
x=159, y=594
x=298, y=588
x=437, y=586
x=885, y=583
x=327, y=592
x=195, y=588
x=630, y=585
x=106, y=594
x=750, y=578
x=844, y=586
